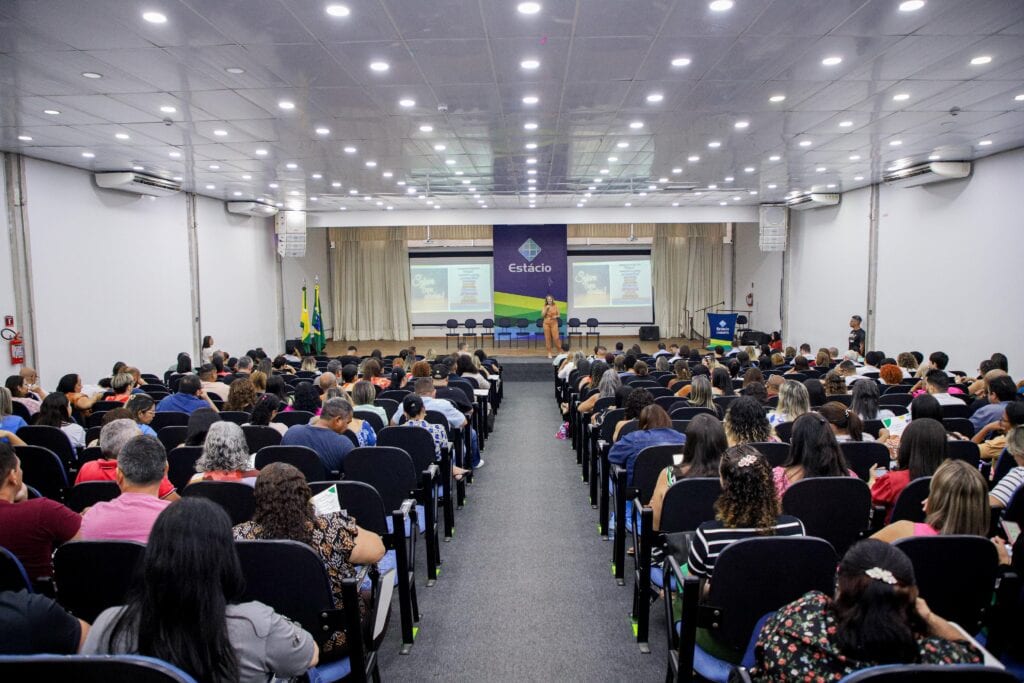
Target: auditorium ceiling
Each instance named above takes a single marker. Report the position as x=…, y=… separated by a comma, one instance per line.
x=402, y=104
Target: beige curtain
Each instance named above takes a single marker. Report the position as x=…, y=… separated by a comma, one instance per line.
x=686, y=269
x=371, y=290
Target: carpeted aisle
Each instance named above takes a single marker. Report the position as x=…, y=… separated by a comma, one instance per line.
x=526, y=591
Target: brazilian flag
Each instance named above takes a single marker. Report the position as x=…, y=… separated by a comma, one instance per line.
x=304, y=323
x=319, y=341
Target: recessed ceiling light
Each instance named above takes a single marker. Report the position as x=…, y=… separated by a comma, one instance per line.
x=353, y=191
x=54, y=112
x=214, y=167
x=598, y=180
x=736, y=199
x=675, y=203
x=832, y=61
x=895, y=143
x=261, y=152
x=426, y=128
x=854, y=157
x=337, y=10
x=287, y=105
x=723, y=203
x=911, y=5
x=845, y=124
x=466, y=182
x=531, y=145
x=335, y=184
x=628, y=204
x=439, y=147
x=406, y=102
x=531, y=171
x=350, y=150
x=777, y=98
x=591, y=188
x=622, y=145
x=720, y=5
x=901, y=97
x=291, y=166
x=934, y=157
x=982, y=59
x=529, y=64
x=247, y=177
x=91, y=74
x=25, y=138
x=531, y=161
x=655, y=97
x=740, y=125
x=168, y=109
x=820, y=169
x=138, y=168
x=774, y=157
x=174, y=155
x=530, y=125
x=460, y=173
x=636, y=125
x=154, y=17
x=528, y=7
x=323, y=131
x=693, y=158
x=748, y=169
x=603, y=171
x=235, y=70
x=714, y=144
x=729, y=179
x=681, y=61
x=677, y=170
x=641, y=194
x=805, y=143
x=316, y=176
x=211, y=187
x=379, y=67
x=531, y=99
x=772, y=186
x=371, y=164
x=450, y=162
x=831, y=186
x=712, y=187
x=220, y=132
x=237, y=193
x=531, y=181
x=273, y=186
x=122, y=136
x=984, y=143
x=612, y=160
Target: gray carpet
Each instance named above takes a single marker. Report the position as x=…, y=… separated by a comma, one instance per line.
x=526, y=591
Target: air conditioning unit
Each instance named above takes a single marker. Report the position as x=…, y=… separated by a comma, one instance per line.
x=138, y=183
x=813, y=200
x=931, y=172
x=258, y=209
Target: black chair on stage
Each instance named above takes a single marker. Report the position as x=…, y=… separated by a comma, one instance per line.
x=504, y=330
x=470, y=326
x=487, y=330
x=452, y=330
x=593, y=330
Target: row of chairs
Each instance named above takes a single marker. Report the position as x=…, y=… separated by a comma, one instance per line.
x=517, y=329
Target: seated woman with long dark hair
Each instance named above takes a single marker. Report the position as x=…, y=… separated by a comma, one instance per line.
x=875, y=617
x=185, y=606
x=264, y=412
x=813, y=452
x=702, y=452
x=284, y=511
x=56, y=412
x=922, y=449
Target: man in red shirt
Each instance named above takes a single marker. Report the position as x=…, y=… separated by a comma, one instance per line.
x=31, y=528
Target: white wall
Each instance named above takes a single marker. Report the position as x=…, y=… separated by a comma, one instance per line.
x=759, y=273
x=7, y=298
x=294, y=270
x=237, y=279
x=828, y=271
x=950, y=275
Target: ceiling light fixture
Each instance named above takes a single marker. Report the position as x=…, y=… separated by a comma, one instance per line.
x=984, y=143
x=406, y=103
x=174, y=155
x=426, y=128
x=622, y=145
x=655, y=97
x=982, y=59
x=805, y=143
x=247, y=177
x=122, y=136
x=681, y=61
x=530, y=64
x=235, y=70
x=211, y=187
x=450, y=162
x=820, y=169
x=832, y=61
x=901, y=97
x=858, y=177
x=530, y=125
x=845, y=124
x=740, y=125
x=748, y=169
x=220, y=132
x=291, y=166
x=138, y=168
x=316, y=176
x=371, y=164
x=714, y=144
x=168, y=109
x=439, y=147
x=911, y=5
x=91, y=74
x=895, y=143
x=693, y=158
x=337, y=10
x=214, y=167
x=287, y=105
x=774, y=157
x=25, y=138
x=531, y=99
x=721, y=5
x=379, y=67
x=677, y=170
x=528, y=7
x=636, y=125
x=531, y=145
x=934, y=157
x=54, y=112
x=154, y=17
x=729, y=179
x=323, y=131
x=350, y=150
x=854, y=157
x=612, y=160
x=531, y=161
x=772, y=186
x=777, y=98
x=261, y=152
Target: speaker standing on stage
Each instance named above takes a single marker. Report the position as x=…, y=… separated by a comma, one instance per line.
x=550, y=315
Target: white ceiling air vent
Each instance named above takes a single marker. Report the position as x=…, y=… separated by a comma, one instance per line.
x=138, y=183
x=258, y=209
x=813, y=200
x=931, y=172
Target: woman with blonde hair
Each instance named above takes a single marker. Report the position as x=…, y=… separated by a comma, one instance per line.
x=701, y=394
x=794, y=401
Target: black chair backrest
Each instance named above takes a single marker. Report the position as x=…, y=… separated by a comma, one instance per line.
x=88, y=493
x=104, y=406
x=611, y=418
x=689, y=503
x=845, y=399
x=397, y=395
x=13, y=576
x=1003, y=464
x=894, y=408
x=603, y=402
x=723, y=402
x=371, y=417
x=592, y=323
x=962, y=425
x=21, y=410
x=784, y=430
x=415, y=441
x=235, y=497
x=786, y=567
x=522, y=323
x=388, y=469
x=168, y=418
x=934, y=673
x=872, y=427
x=955, y=575
x=909, y=503
x=574, y=322
x=470, y=324
x=667, y=402
x=294, y=417
x=648, y=466
x=50, y=438
x=690, y=412
x=775, y=453
x=90, y=669
x=181, y=465
x=42, y=470
x=91, y=576
x=359, y=501
x=257, y=437
x=861, y=455
x=964, y=450
x=239, y=417
x=172, y=436
x=302, y=458
x=451, y=323
x=834, y=508
x=389, y=405
x=955, y=410
x=656, y=390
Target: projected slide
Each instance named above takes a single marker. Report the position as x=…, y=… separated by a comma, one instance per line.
x=451, y=288
x=611, y=289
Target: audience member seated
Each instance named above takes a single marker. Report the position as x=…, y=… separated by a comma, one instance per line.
x=815, y=392
x=874, y=618
x=890, y=374
x=264, y=412
x=122, y=385
x=991, y=438
x=745, y=422
x=361, y=429
x=363, y=395
x=721, y=382
x=71, y=386
x=415, y=414
x=241, y=394
x=185, y=607
x=309, y=365
x=33, y=624
x=325, y=434
x=189, y=397
x=1011, y=483
x=464, y=367
x=143, y=410
x=834, y=383
x=634, y=402
x=957, y=503
x=113, y=437
x=701, y=394
x=210, y=382
x=1001, y=391
x=141, y=475
x=24, y=393
x=9, y=422
x=225, y=456
x=654, y=429
x=793, y=402
x=284, y=511
x=56, y=412
x=922, y=450
x=702, y=452
x=813, y=452
x=349, y=376
x=424, y=388
x=773, y=385
x=936, y=383
x=865, y=401
x=845, y=423
x=372, y=373
x=31, y=528
x=307, y=398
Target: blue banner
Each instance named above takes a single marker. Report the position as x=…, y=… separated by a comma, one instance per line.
x=530, y=262
x=723, y=329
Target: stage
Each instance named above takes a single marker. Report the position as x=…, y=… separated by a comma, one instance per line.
x=532, y=349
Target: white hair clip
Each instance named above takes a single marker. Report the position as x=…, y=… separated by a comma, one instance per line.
x=747, y=461
x=883, y=575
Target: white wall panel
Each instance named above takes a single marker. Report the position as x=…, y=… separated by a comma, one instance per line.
x=308, y=268
x=760, y=273
x=7, y=298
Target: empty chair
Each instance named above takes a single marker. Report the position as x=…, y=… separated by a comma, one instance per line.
x=90, y=669
x=302, y=458
x=389, y=405
x=487, y=330
x=236, y=498
x=257, y=437
x=294, y=417
x=397, y=395
x=172, y=436
x=775, y=453
x=42, y=470
x=690, y=412
x=573, y=330
x=522, y=330
x=13, y=576
x=837, y=509
x=452, y=327
x=504, y=330
x=593, y=330
x=181, y=464
x=955, y=410
x=470, y=331
x=964, y=450
x=90, y=576
x=88, y=493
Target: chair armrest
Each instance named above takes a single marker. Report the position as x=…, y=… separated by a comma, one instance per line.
x=431, y=473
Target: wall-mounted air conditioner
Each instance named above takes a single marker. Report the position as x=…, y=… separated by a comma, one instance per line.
x=813, y=200
x=258, y=209
x=931, y=172
x=138, y=183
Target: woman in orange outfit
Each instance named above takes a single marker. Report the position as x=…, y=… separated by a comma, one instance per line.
x=550, y=316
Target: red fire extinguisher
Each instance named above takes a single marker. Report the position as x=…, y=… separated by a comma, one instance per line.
x=17, y=350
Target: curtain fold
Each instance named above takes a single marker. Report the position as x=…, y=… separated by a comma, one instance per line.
x=370, y=284
x=686, y=273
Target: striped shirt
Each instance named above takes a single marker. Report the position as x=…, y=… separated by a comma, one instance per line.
x=1008, y=485
x=713, y=537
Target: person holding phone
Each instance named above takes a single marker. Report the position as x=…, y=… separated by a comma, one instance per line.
x=550, y=316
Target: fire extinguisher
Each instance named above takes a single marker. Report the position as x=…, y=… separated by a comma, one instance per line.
x=17, y=345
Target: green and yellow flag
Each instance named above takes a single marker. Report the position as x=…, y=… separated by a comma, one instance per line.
x=304, y=322
x=319, y=341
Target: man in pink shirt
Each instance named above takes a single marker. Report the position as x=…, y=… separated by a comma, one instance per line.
x=141, y=466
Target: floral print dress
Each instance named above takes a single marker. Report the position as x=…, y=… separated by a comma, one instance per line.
x=798, y=644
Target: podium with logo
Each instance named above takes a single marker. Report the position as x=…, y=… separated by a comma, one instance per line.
x=722, y=328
